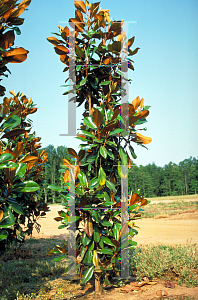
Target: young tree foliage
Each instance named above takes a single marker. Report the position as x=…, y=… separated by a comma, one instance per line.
x=97, y=165
x=10, y=10
x=21, y=165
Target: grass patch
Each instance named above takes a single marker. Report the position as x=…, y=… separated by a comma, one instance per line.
x=178, y=264
x=175, y=198
x=156, y=210
x=26, y=272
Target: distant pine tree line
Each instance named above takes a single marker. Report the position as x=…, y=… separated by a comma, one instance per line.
x=153, y=181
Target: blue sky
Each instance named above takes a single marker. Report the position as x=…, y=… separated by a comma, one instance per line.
x=166, y=73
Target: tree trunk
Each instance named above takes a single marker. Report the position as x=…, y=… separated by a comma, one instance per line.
x=98, y=286
x=45, y=192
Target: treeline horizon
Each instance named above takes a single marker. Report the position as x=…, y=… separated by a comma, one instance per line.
x=153, y=181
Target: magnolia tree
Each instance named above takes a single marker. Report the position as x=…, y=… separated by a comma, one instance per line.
x=21, y=164
x=98, y=211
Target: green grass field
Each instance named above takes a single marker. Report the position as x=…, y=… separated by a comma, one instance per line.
x=26, y=272
x=36, y=275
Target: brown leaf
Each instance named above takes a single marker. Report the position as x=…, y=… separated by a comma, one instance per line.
x=19, y=149
x=81, y=155
x=17, y=55
x=30, y=159
x=7, y=39
x=161, y=293
x=80, y=5
x=72, y=152
x=169, y=284
x=144, y=202
x=1, y=215
x=135, y=198
x=116, y=243
x=58, y=219
x=115, y=114
x=97, y=117
x=78, y=26
x=136, y=103
x=25, y=3
x=127, y=288
x=78, y=16
x=66, y=162
x=94, y=8
x=16, y=112
x=61, y=50
x=131, y=41
x=14, y=132
x=143, y=114
x=142, y=103
x=144, y=139
x=66, y=176
x=53, y=40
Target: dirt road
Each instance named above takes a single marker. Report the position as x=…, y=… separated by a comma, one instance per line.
x=175, y=229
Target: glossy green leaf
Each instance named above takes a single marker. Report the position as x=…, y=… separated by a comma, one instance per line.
x=10, y=215
x=105, y=83
x=5, y=157
x=106, y=223
x=6, y=225
x=106, y=197
x=103, y=151
x=20, y=171
x=8, y=164
x=27, y=187
x=83, y=179
x=110, y=154
x=91, y=247
x=112, y=144
x=94, y=214
x=88, y=274
x=132, y=152
x=107, y=241
x=17, y=30
x=87, y=133
x=123, y=156
x=83, y=81
x=96, y=234
x=110, y=185
x=11, y=122
x=116, y=229
x=106, y=251
x=90, y=123
x=115, y=132
x=59, y=258
x=86, y=239
x=101, y=244
x=93, y=51
x=102, y=176
x=3, y=237
x=17, y=208
x=88, y=257
x=62, y=226
x=108, y=203
x=94, y=183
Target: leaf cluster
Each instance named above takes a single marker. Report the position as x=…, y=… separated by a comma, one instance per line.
x=10, y=10
x=97, y=79
x=21, y=170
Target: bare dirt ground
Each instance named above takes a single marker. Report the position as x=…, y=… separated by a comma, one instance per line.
x=177, y=229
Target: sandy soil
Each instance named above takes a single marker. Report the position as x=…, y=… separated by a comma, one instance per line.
x=177, y=229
